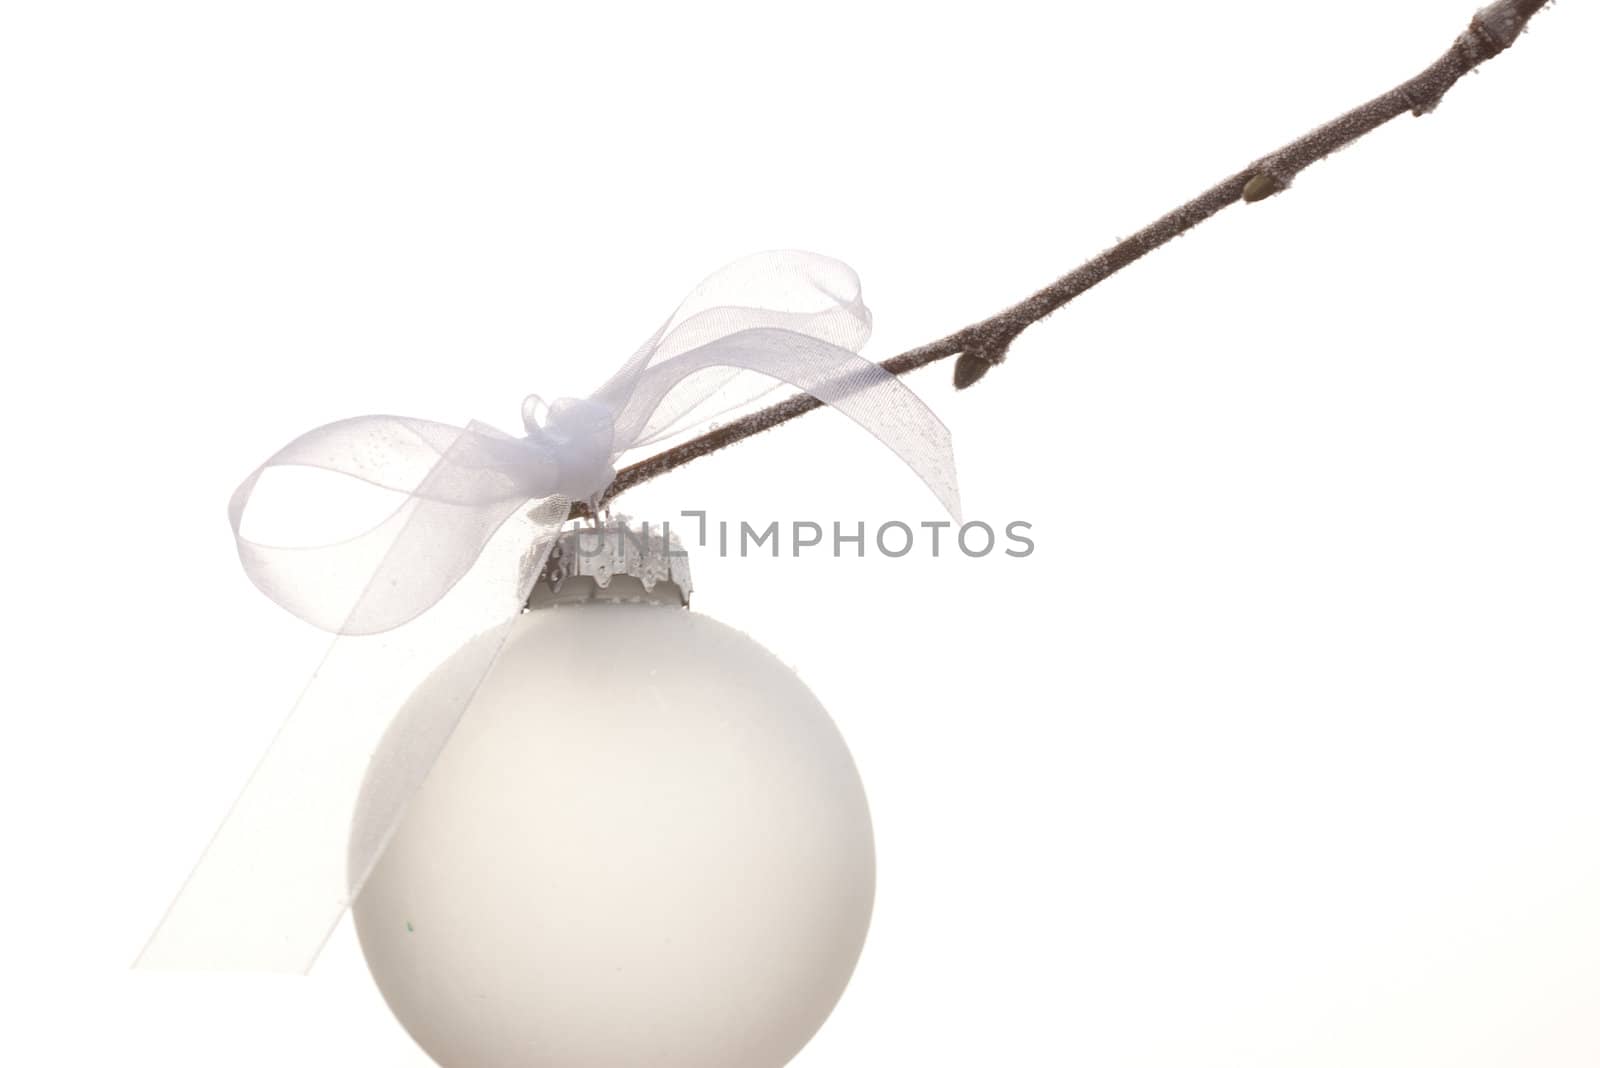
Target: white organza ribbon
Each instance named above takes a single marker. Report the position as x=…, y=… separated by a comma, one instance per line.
x=443, y=575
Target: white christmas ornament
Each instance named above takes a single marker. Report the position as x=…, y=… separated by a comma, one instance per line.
x=645, y=844
x=605, y=832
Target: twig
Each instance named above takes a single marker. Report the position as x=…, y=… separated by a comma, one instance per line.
x=983, y=345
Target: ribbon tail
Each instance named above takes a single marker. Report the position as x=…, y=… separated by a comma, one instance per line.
x=317, y=814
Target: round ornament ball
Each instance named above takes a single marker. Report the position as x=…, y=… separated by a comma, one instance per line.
x=645, y=844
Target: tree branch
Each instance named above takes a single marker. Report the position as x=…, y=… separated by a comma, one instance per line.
x=983, y=345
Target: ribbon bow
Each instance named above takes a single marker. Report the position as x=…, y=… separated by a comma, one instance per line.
x=447, y=564
x=795, y=318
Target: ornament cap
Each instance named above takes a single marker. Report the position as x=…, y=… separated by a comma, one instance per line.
x=616, y=561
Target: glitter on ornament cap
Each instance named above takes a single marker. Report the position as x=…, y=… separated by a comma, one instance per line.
x=618, y=562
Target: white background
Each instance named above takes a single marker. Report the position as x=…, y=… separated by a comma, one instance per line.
x=1279, y=751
